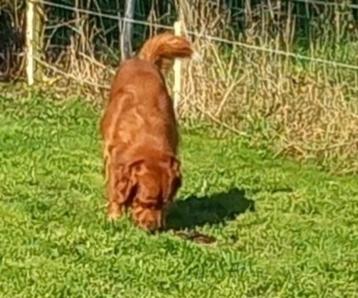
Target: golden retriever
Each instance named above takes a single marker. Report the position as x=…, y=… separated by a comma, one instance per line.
x=140, y=134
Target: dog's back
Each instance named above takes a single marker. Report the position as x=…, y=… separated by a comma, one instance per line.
x=140, y=114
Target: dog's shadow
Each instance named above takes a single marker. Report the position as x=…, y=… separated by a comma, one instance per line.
x=218, y=208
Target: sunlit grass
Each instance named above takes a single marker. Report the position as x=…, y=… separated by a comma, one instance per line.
x=281, y=230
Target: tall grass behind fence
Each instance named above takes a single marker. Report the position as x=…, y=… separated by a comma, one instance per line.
x=283, y=74
x=306, y=108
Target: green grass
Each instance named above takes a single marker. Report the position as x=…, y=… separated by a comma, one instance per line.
x=282, y=230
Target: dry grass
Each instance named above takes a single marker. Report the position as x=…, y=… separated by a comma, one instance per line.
x=298, y=113
x=301, y=109
x=306, y=111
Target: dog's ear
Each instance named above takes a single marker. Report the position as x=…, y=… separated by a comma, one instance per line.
x=127, y=181
x=174, y=177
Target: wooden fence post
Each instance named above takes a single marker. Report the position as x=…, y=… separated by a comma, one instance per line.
x=29, y=42
x=177, y=70
x=34, y=39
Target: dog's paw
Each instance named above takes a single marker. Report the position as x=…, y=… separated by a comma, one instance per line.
x=114, y=211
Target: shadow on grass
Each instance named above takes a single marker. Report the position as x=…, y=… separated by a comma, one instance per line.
x=214, y=209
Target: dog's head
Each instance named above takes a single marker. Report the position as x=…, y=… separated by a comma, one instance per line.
x=153, y=185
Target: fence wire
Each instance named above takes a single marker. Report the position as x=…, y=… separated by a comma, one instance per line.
x=336, y=64
x=327, y=3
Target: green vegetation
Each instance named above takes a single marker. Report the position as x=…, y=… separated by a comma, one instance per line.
x=281, y=230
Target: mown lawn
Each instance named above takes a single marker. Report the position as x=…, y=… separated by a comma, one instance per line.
x=281, y=230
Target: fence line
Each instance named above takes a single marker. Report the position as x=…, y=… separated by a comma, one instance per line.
x=101, y=14
x=70, y=76
x=325, y=3
x=207, y=37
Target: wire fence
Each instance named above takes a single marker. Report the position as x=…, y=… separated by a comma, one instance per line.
x=208, y=37
x=86, y=69
x=328, y=3
x=86, y=77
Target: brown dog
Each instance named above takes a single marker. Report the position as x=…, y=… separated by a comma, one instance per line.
x=140, y=134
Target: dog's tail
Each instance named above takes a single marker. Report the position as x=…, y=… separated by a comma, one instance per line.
x=163, y=48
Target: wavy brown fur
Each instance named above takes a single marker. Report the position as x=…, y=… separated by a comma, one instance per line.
x=163, y=48
x=140, y=135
